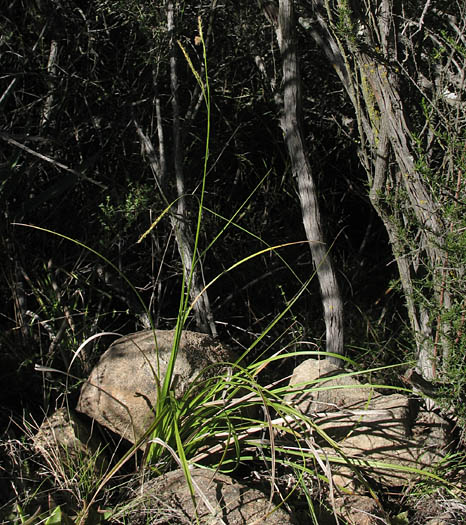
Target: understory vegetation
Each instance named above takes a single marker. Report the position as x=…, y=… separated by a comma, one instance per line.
x=147, y=182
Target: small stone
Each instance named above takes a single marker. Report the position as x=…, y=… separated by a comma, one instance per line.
x=65, y=437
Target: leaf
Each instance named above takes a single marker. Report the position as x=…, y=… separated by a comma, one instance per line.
x=58, y=517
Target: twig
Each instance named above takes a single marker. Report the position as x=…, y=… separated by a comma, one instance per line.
x=7, y=90
x=50, y=160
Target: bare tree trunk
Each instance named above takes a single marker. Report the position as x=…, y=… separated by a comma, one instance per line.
x=180, y=217
x=291, y=125
x=382, y=89
x=387, y=146
x=180, y=220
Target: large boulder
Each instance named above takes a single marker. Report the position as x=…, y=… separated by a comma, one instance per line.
x=121, y=390
x=218, y=498
x=370, y=428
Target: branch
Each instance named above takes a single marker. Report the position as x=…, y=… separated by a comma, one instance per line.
x=50, y=160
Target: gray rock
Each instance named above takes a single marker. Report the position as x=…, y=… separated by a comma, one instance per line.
x=369, y=427
x=232, y=503
x=321, y=387
x=121, y=390
x=63, y=438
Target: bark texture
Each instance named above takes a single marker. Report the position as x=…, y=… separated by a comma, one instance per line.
x=374, y=57
x=180, y=218
x=290, y=121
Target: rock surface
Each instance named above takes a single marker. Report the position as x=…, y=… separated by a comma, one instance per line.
x=64, y=437
x=231, y=502
x=359, y=510
x=121, y=390
x=368, y=426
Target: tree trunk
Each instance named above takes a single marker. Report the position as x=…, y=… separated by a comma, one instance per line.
x=290, y=122
x=180, y=220
x=368, y=41
x=180, y=217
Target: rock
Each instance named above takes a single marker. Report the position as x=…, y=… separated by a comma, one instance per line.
x=359, y=510
x=317, y=376
x=64, y=437
x=231, y=502
x=121, y=390
x=368, y=426
x=438, y=509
